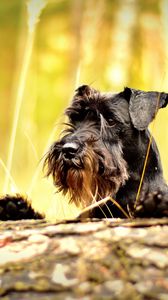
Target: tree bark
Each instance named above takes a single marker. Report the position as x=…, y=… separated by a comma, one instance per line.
x=106, y=259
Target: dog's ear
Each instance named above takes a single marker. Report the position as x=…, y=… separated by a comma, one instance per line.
x=143, y=106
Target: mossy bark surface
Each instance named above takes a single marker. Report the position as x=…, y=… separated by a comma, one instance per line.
x=107, y=259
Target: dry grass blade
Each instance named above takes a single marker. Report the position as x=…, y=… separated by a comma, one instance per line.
x=8, y=174
x=32, y=146
x=85, y=212
x=19, y=99
x=119, y=206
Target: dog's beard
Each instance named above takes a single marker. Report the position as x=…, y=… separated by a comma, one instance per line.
x=89, y=177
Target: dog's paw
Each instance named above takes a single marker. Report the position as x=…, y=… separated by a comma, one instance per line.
x=153, y=205
x=17, y=207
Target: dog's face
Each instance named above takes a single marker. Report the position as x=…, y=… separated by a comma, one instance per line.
x=88, y=161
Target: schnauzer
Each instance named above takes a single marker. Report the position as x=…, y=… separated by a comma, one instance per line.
x=102, y=154
x=106, y=160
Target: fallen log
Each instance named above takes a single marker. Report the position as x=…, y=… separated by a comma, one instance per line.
x=107, y=259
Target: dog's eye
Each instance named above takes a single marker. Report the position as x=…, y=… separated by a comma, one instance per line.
x=109, y=118
x=101, y=168
x=110, y=121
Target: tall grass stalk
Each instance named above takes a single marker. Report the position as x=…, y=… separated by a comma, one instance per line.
x=11, y=180
x=34, y=8
x=31, y=145
x=19, y=100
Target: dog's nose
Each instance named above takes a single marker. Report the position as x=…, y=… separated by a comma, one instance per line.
x=69, y=150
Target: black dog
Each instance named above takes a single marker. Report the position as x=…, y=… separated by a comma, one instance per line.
x=102, y=154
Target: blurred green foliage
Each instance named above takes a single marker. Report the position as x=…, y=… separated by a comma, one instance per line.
x=109, y=44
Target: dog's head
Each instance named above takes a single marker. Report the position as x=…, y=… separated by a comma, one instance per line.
x=88, y=161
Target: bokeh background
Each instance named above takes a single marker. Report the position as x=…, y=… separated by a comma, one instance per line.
x=47, y=49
